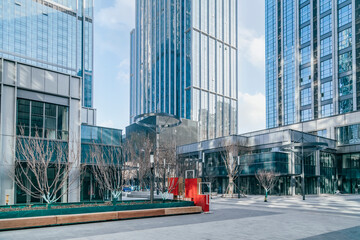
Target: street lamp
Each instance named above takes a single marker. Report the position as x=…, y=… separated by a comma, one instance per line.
x=202, y=160
x=152, y=178
x=164, y=175
x=238, y=173
x=138, y=176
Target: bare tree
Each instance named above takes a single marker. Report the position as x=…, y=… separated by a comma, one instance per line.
x=45, y=169
x=107, y=165
x=183, y=165
x=267, y=180
x=166, y=166
x=210, y=173
x=140, y=147
x=231, y=159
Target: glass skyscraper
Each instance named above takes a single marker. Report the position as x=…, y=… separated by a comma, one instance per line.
x=184, y=62
x=55, y=35
x=312, y=59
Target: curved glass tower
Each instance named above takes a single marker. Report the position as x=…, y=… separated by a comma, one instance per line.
x=184, y=62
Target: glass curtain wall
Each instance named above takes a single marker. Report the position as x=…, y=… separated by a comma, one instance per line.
x=184, y=62
x=271, y=66
x=289, y=62
x=56, y=35
x=325, y=52
x=44, y=120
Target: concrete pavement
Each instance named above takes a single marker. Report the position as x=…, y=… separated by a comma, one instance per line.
x=325, y=217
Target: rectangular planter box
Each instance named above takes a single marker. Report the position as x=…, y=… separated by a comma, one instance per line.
x=80, y=210
x=18, y=223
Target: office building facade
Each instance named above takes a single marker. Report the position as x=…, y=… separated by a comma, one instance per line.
x=312, y=106
x=329, y=148
x=312, y=60
x=46, y=80
x=36, y=103
x=56, y=35
x=184, y=63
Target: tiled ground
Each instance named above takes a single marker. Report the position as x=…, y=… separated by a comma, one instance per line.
x=325, y=217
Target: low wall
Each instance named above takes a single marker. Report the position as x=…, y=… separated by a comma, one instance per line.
x=18, y=223
x=123, y=206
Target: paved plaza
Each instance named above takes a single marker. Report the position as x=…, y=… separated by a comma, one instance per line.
x=325, y=217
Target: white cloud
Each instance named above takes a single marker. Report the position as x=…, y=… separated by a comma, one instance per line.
x=251, y=112
x=119, y=16
x=252, y=47
x=123, y=74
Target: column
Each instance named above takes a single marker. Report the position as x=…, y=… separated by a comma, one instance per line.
x=317, y=171
x=292, y=172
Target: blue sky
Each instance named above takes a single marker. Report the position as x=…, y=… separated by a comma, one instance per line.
x=114, y=20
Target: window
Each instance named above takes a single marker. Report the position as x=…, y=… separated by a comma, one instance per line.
x=326, y=91
x=219, y=68
x=212, y=109
x=345, y=15
x=345, y=62
x=327, y=110
x=325, y=24
x=305, y=96
x=305, y=34
x=99, y=135
x=326, y=46
x=305, y=76
x=204, y=111
x=325, y=5
x=50, y=121
x=204, y=62
x=322, y=133
x=306, y=115
x=348, y=135
x=326, y=68
x=204, y=15
x=305, y=14
x=212, y=17
x=62, y=122
x=196, y=58
x=23, y=117
x=305, y=54
x=345, y=85
x=345, y=38
x=46, y=120
x=346, y=106
x=37, y=117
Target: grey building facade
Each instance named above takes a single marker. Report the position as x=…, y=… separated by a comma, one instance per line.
x=46, y=82
x=333, y=168
x=43, y=104
x=312, y=59
x=263, y=150
x=56, y=35
x=184, y=63
x=38, y=100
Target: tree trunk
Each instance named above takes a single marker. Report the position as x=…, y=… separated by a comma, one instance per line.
x=266, y=195
x=114, y=201
x=231, y=186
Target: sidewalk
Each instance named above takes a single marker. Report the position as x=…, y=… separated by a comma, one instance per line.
x=346, y=204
